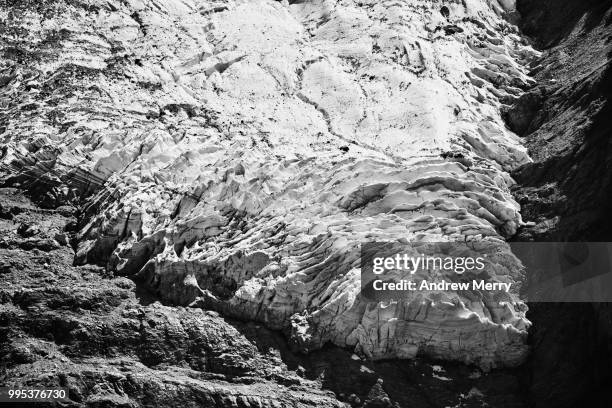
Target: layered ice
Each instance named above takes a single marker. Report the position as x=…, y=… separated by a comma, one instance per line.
x=238, y=153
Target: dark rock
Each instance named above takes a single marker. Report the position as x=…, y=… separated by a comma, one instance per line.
x=28, y=230
x=452, y=29
x=520, y=115
x=5, y=266
x=5, y=213
x=566, y=191
x=445, y=11
x=43, y=244
x=61, y=238
x=550, y=21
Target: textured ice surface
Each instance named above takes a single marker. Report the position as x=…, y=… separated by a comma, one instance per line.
x=241, y=151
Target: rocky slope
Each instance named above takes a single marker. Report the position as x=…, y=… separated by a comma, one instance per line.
x=112, y=344
x=565, y=122
x=219, y=164
x=80, y=328
x=237, y=154
x=565, y=192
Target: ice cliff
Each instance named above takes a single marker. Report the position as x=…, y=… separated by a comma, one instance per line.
x=235, y=154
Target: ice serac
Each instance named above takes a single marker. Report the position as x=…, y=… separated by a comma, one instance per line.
x=241, y=151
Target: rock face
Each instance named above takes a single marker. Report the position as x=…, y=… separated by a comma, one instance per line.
x=566, y=191
x=236, y=154
x=112, y=344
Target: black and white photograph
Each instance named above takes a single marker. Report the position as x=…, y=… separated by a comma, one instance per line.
x=306, y=203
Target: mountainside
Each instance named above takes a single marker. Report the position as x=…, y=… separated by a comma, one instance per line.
x=187, y=185
x=239, y=153
x=567, y=122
